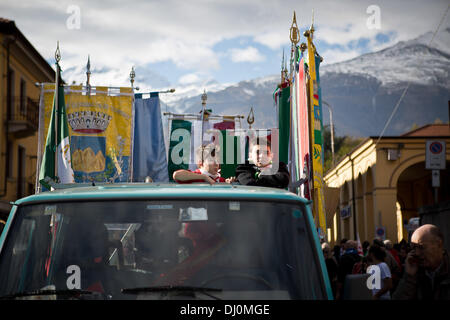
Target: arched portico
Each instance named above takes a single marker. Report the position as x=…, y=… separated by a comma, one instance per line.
x=359, y=204
x=415, y=190
x=390, y=182
x=346, y=223
x=368, y=205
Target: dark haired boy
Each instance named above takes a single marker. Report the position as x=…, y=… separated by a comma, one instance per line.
x=256, y=174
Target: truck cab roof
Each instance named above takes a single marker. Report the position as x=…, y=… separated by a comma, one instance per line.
x=220, y=191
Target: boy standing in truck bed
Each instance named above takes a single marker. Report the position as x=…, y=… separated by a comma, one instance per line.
x=258, y=173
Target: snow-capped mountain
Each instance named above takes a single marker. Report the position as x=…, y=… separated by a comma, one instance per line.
x=362, y=91
x=412, y=60
x=235, y=99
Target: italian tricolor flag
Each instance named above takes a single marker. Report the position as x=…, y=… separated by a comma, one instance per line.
x=57, y=146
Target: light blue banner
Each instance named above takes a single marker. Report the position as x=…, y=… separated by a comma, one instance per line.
x=149, y=153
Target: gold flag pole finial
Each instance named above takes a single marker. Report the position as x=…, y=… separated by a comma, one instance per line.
x=132, y=76
x=204, y=97
x=294, y=34
x=57, y=53
x=88, y=76
x=250, y=118
x=286, y=76
x=295, y=39
x=310, y=32
x=303, y=47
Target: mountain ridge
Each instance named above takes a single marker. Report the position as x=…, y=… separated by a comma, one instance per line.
x=362, y=91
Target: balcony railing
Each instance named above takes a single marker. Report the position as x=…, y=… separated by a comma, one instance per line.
x=23, y=117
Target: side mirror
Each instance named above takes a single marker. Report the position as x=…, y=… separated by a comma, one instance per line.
x=355, y=287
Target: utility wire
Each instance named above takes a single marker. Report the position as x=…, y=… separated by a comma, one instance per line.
x=409, y=82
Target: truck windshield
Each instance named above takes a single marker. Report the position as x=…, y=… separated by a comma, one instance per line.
x=246, y=249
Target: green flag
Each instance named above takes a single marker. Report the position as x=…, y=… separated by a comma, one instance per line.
x=177, y=159
x=284, y=111
x=56, y=165
x=228, y=168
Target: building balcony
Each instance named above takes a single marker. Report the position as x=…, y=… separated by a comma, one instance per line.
x=23, y=117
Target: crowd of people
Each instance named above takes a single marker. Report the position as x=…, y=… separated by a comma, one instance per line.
x=418, y=269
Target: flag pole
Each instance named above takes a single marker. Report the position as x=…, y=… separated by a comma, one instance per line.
x=308, y=35
x=204, y=97
x=294, y=36
x=156, y=92
x=57, y=59
x=315, y=120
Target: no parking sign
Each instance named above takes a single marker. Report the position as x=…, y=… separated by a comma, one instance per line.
x=435, y=155
x=380, y=233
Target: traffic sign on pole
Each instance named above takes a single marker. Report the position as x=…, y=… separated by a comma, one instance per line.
x=435, y=155
x=380, y=233
x=435, y=178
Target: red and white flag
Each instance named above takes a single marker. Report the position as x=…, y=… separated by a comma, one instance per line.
x=360, y=250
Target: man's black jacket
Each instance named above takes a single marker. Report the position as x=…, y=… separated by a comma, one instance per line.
x=246, y=174
x=420, y=286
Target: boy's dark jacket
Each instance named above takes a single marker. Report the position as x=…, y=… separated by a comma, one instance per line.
x=246, y=174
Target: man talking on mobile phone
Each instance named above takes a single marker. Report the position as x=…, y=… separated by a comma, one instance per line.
x=427, y=275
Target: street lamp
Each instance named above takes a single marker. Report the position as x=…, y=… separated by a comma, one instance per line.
x=332, y=129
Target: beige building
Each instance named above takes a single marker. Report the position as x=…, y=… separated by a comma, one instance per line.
x=21, y=66
x=382, y=184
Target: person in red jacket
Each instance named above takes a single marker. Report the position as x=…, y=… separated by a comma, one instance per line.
x=208, y=168
x=390, y=247
x=207, y=240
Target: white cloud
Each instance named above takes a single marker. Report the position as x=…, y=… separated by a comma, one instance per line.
x=337, y=55
x=273, y=40
x=249, y=54
x=189, y=78
x=120, y=34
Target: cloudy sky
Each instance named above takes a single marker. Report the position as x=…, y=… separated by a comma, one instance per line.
x=177, y=43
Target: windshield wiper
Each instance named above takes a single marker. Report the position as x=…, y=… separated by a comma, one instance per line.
x=45, y=292
x=177, y=289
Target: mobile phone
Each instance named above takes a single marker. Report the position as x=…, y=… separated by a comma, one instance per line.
x=415, y=259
